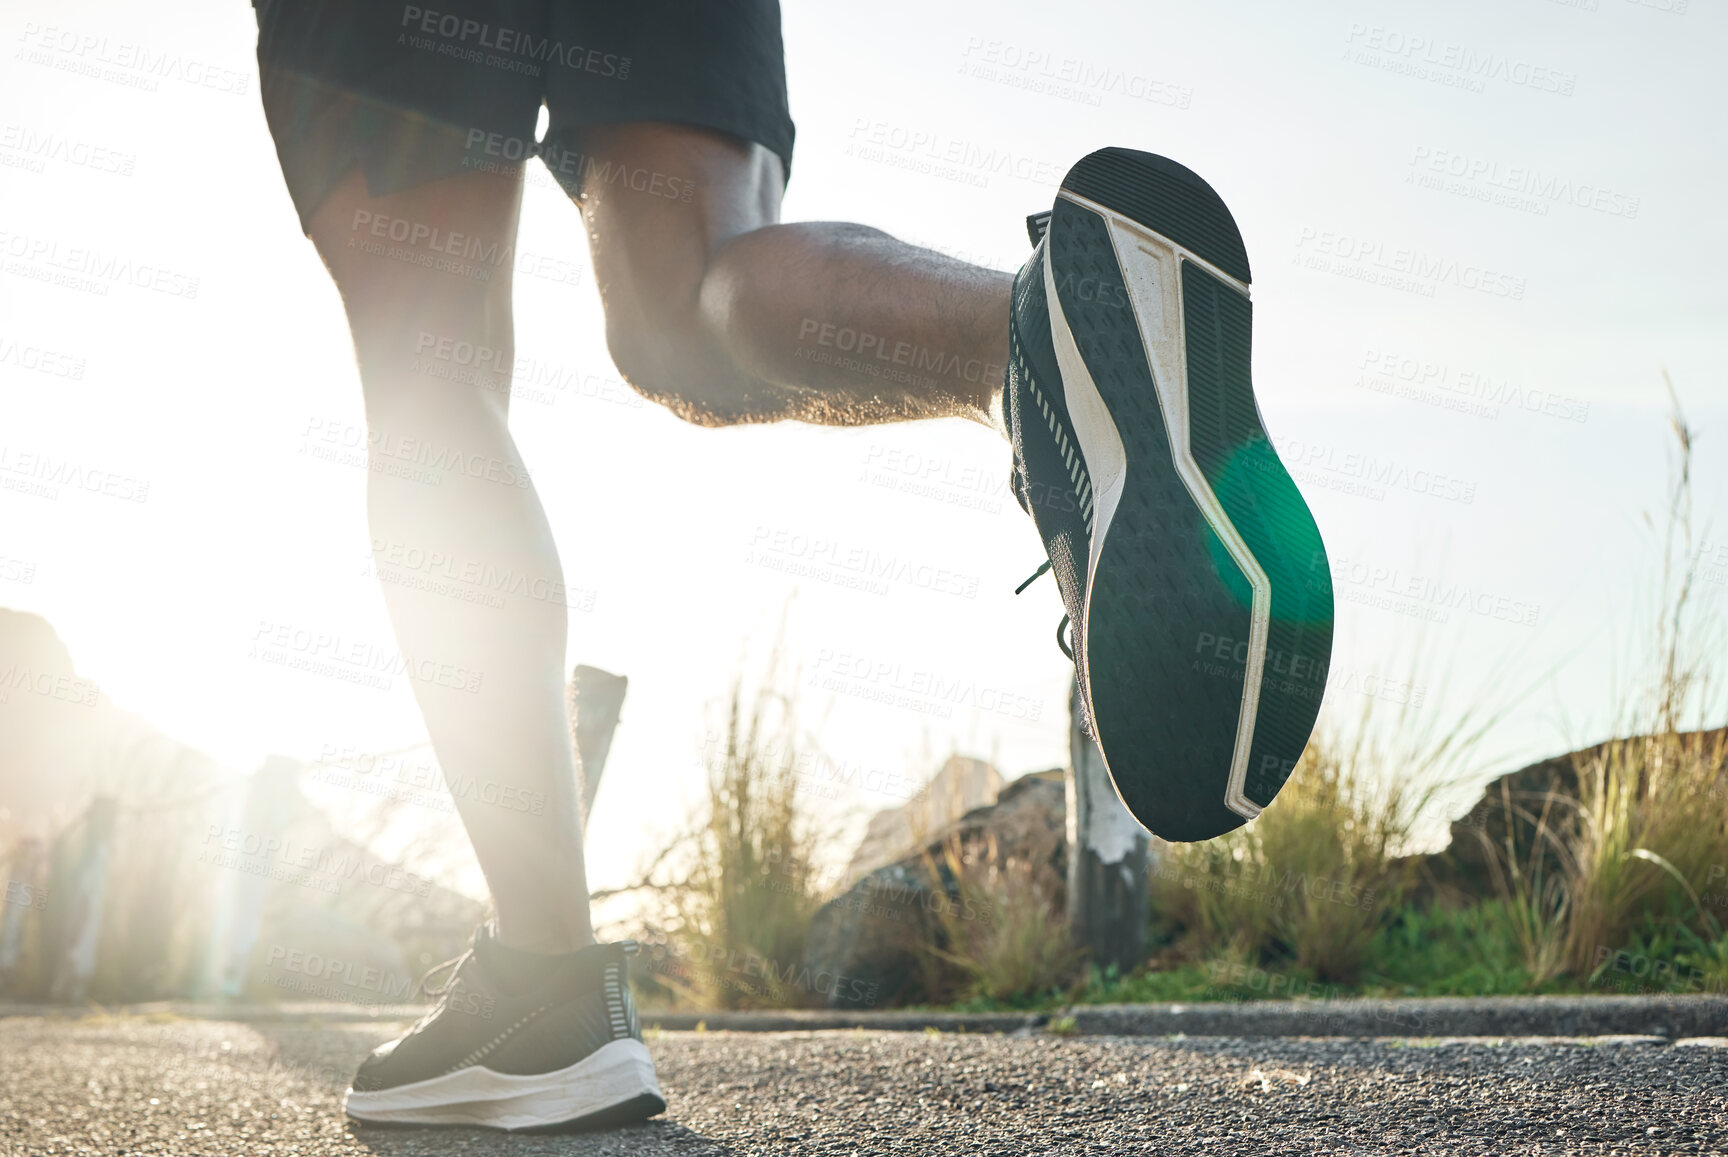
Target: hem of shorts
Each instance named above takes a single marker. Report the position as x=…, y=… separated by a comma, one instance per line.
x=381, y=186
x=668, y=114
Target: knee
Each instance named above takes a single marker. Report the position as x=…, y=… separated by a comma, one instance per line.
x=666, y=362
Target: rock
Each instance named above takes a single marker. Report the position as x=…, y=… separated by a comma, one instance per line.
x=878, y=935
x=1462, y=871
x=894, y=833
x=46, y=715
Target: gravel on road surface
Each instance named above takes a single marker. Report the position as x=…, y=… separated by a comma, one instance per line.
x=142, y=1085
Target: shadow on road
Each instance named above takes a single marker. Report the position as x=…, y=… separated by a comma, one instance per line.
x=650, y=1140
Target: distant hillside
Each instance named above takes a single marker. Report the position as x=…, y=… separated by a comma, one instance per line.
x=62, y=740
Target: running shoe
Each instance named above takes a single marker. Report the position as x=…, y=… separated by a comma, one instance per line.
x=558, y=1049
x=1198, y=593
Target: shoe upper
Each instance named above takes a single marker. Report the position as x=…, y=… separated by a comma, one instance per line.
x=575, y=1005
x=1049, y=476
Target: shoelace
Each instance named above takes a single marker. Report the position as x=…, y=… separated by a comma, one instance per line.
x=1042, y=567
x=455, y=964
x=1060, y=641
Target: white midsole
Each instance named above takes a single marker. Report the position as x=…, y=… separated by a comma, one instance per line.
x=1100, y=443
x=1151, y=271
x=611, y=1075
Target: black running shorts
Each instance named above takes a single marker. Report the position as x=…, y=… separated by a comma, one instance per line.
x=417, y=91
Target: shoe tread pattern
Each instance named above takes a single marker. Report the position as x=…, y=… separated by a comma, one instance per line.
x=1262, y=502
x=1159, y=588
x=1169, y=574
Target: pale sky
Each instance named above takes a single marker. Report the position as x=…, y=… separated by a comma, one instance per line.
x=1479, y=231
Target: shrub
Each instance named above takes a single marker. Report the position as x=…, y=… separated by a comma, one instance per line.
x=1020, y=948
x=1315, y=877
x=744, y=913
x=1624, y=858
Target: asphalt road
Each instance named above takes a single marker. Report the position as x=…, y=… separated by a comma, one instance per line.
x=140, y=1085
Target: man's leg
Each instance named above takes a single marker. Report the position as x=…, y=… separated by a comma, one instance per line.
x=489, y=678
x=725, y=316
x=385, y=137
x=1130, y=328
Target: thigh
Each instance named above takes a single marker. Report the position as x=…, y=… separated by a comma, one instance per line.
x=454, y=237
x=669, y=123
x=425, y=278
x=407, y=94
x=658, y=200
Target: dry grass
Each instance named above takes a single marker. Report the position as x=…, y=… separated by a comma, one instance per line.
x=1315, y=877
x=1532, y=882
x=744, y=913
x=1649, y=823
x=1005, y=931
x=1651, y=820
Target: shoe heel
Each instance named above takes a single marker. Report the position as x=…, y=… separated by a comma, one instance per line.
x=1167, y=198
x=1206, y=536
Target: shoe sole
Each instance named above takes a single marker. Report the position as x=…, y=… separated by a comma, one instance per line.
x=1209, y=606
x=615, y=1085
